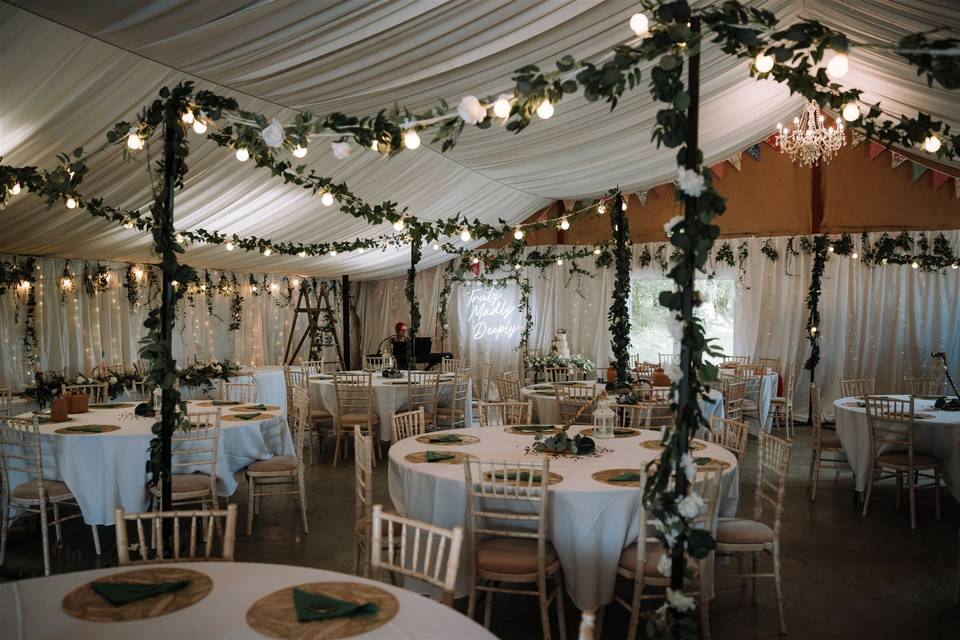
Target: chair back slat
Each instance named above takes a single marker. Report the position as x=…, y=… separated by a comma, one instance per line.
x=502, y=414
x=96, y=391
x=238, y=391
x=423, y=392
x=20, y=452
x=363, y=477
x=573, y=403
x=853, y=387
x=492, y=484
x=459, y=397
x=508, y=387
x=177, y=519
x=729, y=434
x=890, y=422
x=451, y=365
x=773, y=461
x=408, y=424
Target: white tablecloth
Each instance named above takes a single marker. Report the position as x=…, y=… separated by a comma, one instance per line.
x=936, y=436
x=30, y=609
x=271, y=387
x=108, y=470
x=545, y=404
x=388, y=396
x=590, y=521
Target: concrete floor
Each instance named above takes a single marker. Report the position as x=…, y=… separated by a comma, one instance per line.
x=844, y=576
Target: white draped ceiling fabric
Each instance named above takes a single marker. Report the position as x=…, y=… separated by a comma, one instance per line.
x=70, y=73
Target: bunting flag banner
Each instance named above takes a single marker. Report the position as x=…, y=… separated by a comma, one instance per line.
x=642, y=196
x=717, y=170
x=754, y=151
x=568, y=205
x=896, y=159
x=876, y=149
x=735, y=160
x=956, y=188
x=939, y=177
x=918, y=170
x=475, y=268
x=772, y=140
x=542, y=216
x=856, y=138
x=662, y=190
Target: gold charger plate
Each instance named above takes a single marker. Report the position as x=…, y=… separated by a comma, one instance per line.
x=618, y=432
x=519, y=430
x=421, y=456
x=262, y=416
x=605, y=475
x=275, y=617
x=654, y=445
x=86, y=604
x=79, y=430
x=553, y=477
x=250, y=408
x=464, y=439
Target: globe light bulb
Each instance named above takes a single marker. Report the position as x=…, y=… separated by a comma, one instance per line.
x=813, y=330
x=518, y=233
x=501, y=106
x=830, y=248
x=915, y=265
x=518, y=266
x=134, y=141
x=326, y=198
x=375, y=145
x=71, y=203
x=436, y=246
x=545, y=110
x=24, y=285
x=398, y=225
x=174, y=284
x=838, y=66
x=138, y=273
x=854, y=255
x=596, y=251
x=465, y=234
x=254, y=288
x=640, y=25
x=301, y=254
x=295, y=282
x=273, y=287
x=267, y=251
x=361, y=249
x=474, y=260
x=955, y=265
x=199, y=126
x=564, y=224
x=623, y=205
x=601, y=208
x=178, y=238
x=15, y=189
x=187, y=117
x=763, y=63
x=411, y=139
x=299, y=152
x=242, y=154
x=333, y=252
x=931, y=144
x=851, y=111
x=229, y=246
x=559, y=262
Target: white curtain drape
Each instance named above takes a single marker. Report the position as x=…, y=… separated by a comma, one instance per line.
x=76, y=330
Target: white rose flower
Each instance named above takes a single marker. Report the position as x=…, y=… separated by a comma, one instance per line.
x=112, y=380
x=673, y=371
x=341, y=150
x=690, y=506
x=670, y=224
x=688, y=466
x=664, y=565
x=690, y=182
x=471, y=110
x=677, y=600
x=272, y=134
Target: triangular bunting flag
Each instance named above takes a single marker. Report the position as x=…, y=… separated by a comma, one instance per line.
x=475, y=268
x=642, y=196
x=662, y=190
x=569, y=204
x=754, y=151
x=918, y=170
x=939, y=177
x=735, y=160
x=875, y=149
x=772, y=140
x=856, y=138
x=956, y=188
x=896, y=159
x=717, y=170
x=542, y=216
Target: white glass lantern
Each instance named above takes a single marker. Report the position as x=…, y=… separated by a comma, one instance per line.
x=604, y=420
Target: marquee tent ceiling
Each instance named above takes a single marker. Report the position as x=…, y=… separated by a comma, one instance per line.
x=71, y=71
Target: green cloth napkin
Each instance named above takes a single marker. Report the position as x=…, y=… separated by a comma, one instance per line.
x=316, y=606
x=452, y=437
x=107, y=405
x=247, y=416
x=220, y=403
x=436, y=456
x=512, y=475
x=702, y=461
x=260, y=406
x=120, y=593
x=626, y=476
x=534, y=428
x=82, y=429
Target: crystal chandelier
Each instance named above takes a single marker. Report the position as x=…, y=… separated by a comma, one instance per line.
x=811, y=141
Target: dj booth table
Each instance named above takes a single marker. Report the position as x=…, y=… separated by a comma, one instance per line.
x=422, y=353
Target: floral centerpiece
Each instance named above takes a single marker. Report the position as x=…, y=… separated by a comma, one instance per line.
x=45, y=387
x=117, y=381
x=562, y=444
x=205, y=374
x=537, y=362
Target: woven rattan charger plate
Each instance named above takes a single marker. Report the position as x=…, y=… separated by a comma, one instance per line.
x=262, y=416
x=618, y=432
x=421, y=456
x=86, y=604
x=654, y=445
x=464, y=439
x=605, y=475
x=78, y=430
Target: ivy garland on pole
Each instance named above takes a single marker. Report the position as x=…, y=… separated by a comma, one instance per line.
x=411, y=292
x=619, y=315
x=820, y=252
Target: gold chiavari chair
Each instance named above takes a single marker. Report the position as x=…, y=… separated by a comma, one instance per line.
x=629, y=416
x=355, y=407
x=572, y=401
x=823, y=444
x=736, y=359
x=363, y=501
x=451, y=365
x=375, y=364
x=282, y=474
x=782, y=406
x=734, y=391
x=502, y=414
x=6, y=401
x=96, y=391
x=434, y=557
x=731, y=435
x=408, y=424
x=891, y=426
x=752, y=384
x=192, y=553
x=773, y=364
x=140, y=391
x=508, y=387
x=644, y=371
x=194, y=449
x=924, y=386
x=319, y=367
x=245, y=392
x=741, y=536
x=21, y=454
x=668, y=358
x=482, y=387
x=320, y=420
x=503, y=547
x=423, y=392
x=556, y=374
x=856, y=387
x=455, y=416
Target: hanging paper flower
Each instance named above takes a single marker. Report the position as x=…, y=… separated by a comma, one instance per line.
x=471, y=110
x=688, y=466
x=341, y=150
x=680, y=602
x=690, y=182
x=670, y=224
x=273, y=134
x=690, y=506
x=664, y=565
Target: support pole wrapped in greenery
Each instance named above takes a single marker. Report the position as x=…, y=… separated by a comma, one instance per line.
x=411, y=291
x=619, y=316
x=821, y=245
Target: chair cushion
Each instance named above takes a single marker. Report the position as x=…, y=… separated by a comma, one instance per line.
x=276, y=464
x=653, y=551
x=743, y=531
x=778, y=400
x=361, y=526
x=446, y=411
x=359, y=418
x=899, y=459
x=320, y=414
x=513, y=555
x=30, y=491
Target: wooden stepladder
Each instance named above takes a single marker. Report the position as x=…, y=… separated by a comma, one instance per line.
x=314, y=330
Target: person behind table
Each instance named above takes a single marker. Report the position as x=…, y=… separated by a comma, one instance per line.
x=399, y=342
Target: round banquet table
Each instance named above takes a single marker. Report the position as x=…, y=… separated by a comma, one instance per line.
x=936, y=435
x=545, y=402
x=590, y=521
x=271, y=388
x=389, y=394
x=108, y=470
x=31, y=608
